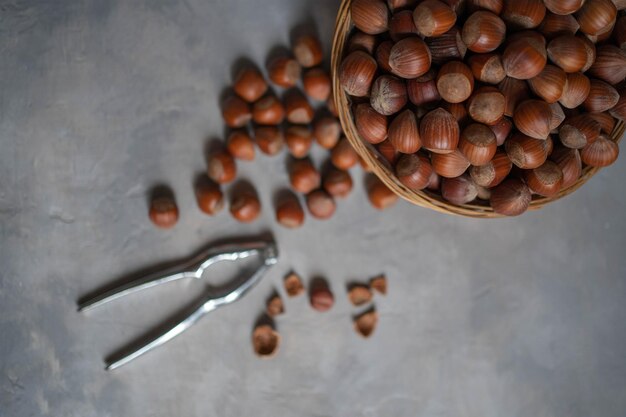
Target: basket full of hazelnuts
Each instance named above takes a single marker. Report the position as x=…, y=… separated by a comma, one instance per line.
x=482, y=108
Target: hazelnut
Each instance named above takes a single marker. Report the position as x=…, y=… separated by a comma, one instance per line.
x=365, y=323
x=299, y=110
x=361, y=41
x=478, y=144
x=343, y=155
x=514, y=91
x=371, y=125
x=526, y=152
x=163, y=212
x=379, y=195
x=359, y=294
x=433, y=18
x=387, y=151
x=487, y=68
x=439, y=131
x=321, y=298
x=326, y=131
x=265, y=341
x=316, y=84
x=321, y=205
x=303, y=176
x=245, y=206
x=450, y=165
x=525, y=14
x=249, y=84
x=576, y=90
x=414, y=171
x=501, y=129
x=337, y=183
x=370, y=16
x=289, y=213
x=533, y=118
x=447, y=47
x=525, y=57
x=308, y=51
x=455, y=82
x=601, y=153
x=570, y=163
x=221, y=166
x=486, y=105
x=269, y=139
x=610, y=64
x=210, y=198
x=511, y=198
x=293, y=285
x=240, y=145
x=284, y=71
x=493, y=172
x=404, y=133
x=549, y=83
x=236, y=112
x=423, y=91
x=409, y=58
x=483, y=31
x=460, y=190
x=299, y=140
x=568, y=52
x=275, y=306
x=595, y=16
x=402, y=25
x=388, y=95
x=382, y=55
x=268, y=111
x=357, y=72
x=545, y=180
x=379, y=284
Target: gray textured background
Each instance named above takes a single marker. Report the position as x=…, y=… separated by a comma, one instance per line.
x=100, y=100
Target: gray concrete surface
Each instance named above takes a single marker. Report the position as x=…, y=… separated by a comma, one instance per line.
x=100, y=100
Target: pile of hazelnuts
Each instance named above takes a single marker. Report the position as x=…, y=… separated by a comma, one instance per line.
x=265, y=337
x=257, y=118
x=494, y=100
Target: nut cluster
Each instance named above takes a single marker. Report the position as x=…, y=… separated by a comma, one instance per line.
x=493, y=100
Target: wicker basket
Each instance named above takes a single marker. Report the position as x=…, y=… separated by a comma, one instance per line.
x=382, y=169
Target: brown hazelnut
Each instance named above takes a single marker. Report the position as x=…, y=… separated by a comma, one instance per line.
x=487, y=68
x=457, y=110
x=460, y=190
x=558, y=115
x=404, y=133
x=361, y=41
x=269, y=139
x=423, y=90
x=607, y=122
x=433, y=18
x=450, y=165
x=299, y=110
x=596, y=15
x=236, y=112
x=526, y=152
x=289, y=213
x=478, y=144
x=240, y=145
x=533, y=118
x=388, y=95
x=414, y=171
x=371, y=125
x=387, y=151
x=321, y=298
x=494, y=6
x=343, y=155
x=303, y=176
x=501, y=129
x=163, y=212
x=321, y=205
x=284, y=71
x=409, y=58
x=308, y=51
x=402, y=25
x=455, y=82
x=382, y=55
x=576, y=90
x=293, y=285
x=268, y=111
x=370, y=16
x=549, y=83
x=245, y=206
x=545, y=180
x=299, y=140
x=337, y=183
x=602, y=97
x=249, y=84
x=326, y=131
x=525, y=14
x=357, y=72
x=316, y=84
x=439, y=131
x=563, y=7
x=555, y=24
x=379, y=284
x=493, y=172
x=359, y=294
x=275, y=306
x=511, y=198
x=525, y=57
x=221, y=166
x=265, y=341
x=601, y=153
x=379, y=195
x=576, y=132
x=568, y=52
x=514, y=91
x=570, y=163
x=483, y=31
x=486, y=105
x=447, y=47
x=365, y=323
x=210, y=198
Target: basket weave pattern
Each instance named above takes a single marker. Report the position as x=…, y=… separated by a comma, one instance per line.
x=383, y=170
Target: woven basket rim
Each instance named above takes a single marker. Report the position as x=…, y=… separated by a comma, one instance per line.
x=382, y=169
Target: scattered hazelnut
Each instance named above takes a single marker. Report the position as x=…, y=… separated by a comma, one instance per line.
x=365, y=323
x=379, y=195
x=236, y=112
x=326, y=131
x=308, y=51
x=265, y=341
x=164, y=212
x=293, y=285
x=321, y=205
x=321, y=298
x=359, y=294
x=249, y=84
x=379, y=284
x=284, y=71
x=210, y=198
x=289, y=213
x=299, y=140
x=269, y=139
x=240, y=145
x=268, y=111
x=337, y=183
x=303, y=176
x=245, y=206
x=343, y=155
x=221, y=166
x=299, y=110
x=316, y=84
x=275, y=306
